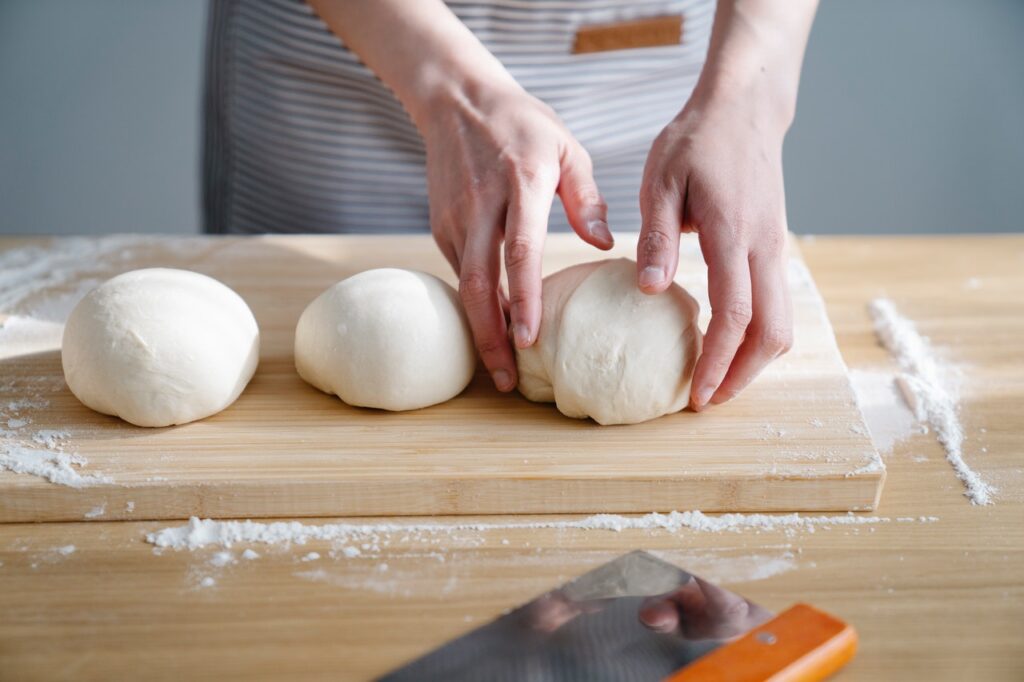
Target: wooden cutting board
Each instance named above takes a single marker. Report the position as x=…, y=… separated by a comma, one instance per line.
x=794, y=441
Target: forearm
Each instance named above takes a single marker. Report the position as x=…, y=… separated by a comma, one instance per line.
x=418, y=48
x=756, y=51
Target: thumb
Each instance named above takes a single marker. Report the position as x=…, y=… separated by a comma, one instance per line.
x=584, y=207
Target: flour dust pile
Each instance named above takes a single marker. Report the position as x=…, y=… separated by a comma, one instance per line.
x=929, y=386
x=199, y=533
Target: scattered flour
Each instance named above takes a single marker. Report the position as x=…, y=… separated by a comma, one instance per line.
x=39, y=286
x=888, y=418
x=97, y=511
x=208, y=532
x=51, y=439
x=312, y=556
x=66, y=550
x=221, y=559
x=929, y=382
x=38, y=452
x=249, y=555
x=55, y=467
x=207, y=582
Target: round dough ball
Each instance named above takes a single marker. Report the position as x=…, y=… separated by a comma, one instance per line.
x=159, y=346
x=608, y=351
x=388, y=338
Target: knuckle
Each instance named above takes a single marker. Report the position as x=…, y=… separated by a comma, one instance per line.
x=474, y=285
x=587, y=194
x=718, y=365
x=528, y=174
x=489, y=345
x=654, y=243
x=776, y=339
x=517, y=298
x=736, y=314
x=773, y=241
x=520, y=251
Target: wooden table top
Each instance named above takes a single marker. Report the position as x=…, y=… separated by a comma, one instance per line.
x=941, y=601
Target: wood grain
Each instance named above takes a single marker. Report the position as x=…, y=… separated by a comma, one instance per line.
x=286, y=449
x=931, y=601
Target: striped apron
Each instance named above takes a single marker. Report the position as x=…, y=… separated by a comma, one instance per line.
x=300, y=136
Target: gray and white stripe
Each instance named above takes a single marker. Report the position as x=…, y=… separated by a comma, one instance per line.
x=300, y=136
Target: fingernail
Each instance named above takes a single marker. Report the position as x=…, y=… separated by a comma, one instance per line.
x=651, y=276
x=704, y=395
x=599, y=230
x=502, y=379
x=521, y=334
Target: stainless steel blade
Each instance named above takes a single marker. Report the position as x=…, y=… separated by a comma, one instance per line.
x=590, y=629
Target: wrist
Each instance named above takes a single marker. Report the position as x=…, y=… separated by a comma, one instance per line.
x=772, y=103
x=439, y=89
x=754, y=59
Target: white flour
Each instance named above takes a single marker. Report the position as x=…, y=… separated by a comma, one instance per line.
x=28, y=271
x=928, y=380
x=221, y=559
x=55, y=467
x=39, y=286
x=207, y=532
x=42, y=452
x=97, y=511
x=886, y=414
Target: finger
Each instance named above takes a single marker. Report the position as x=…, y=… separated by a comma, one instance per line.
x=659, y=614
x=721, y=602
x=478, y=289
x=770, y=333
x=525, y=227
x=657, y=252
x=584, y=207
x=729, y=293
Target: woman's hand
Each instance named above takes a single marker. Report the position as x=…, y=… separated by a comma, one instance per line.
x=496, y=156
x=717, y=171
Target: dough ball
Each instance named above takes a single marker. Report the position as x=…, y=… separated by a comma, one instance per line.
x=609, y=352
x=388, y=338
x=158, y=347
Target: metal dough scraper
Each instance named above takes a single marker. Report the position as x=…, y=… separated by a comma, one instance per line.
x=641, y=619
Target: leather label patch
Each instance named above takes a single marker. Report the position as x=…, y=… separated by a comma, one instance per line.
x=626, y=35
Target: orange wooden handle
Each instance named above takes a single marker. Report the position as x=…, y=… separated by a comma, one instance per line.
x=801, y=644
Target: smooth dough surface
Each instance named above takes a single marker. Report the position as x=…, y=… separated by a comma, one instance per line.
x=608, y=351
x=387, y=338
x=160, y=346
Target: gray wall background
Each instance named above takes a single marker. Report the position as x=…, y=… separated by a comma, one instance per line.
x=911, y=117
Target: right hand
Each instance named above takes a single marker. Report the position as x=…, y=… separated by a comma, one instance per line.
x=495, y=159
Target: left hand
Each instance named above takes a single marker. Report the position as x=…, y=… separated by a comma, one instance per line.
x=716, y=170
